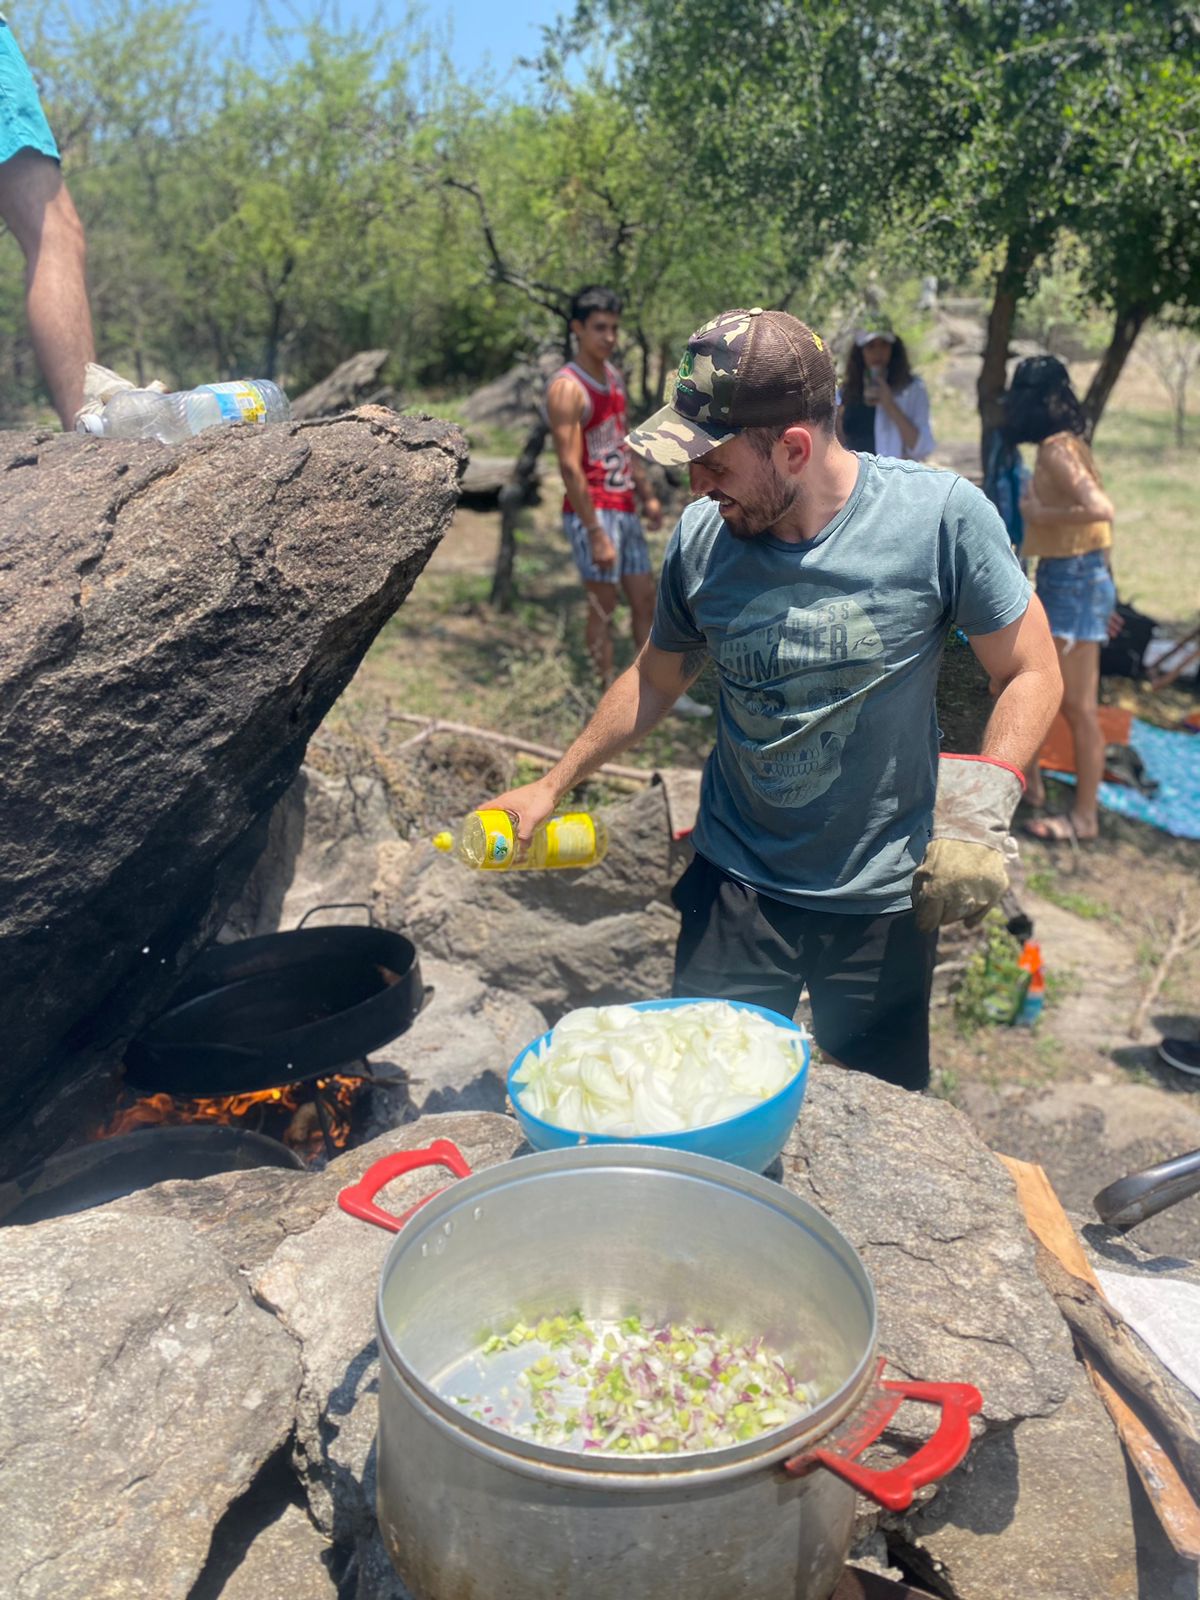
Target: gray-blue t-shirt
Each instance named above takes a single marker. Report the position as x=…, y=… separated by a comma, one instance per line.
x=820, y=788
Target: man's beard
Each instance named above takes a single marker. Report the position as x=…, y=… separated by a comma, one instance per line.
x=761, y=514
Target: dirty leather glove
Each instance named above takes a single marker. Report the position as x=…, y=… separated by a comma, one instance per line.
x=99, y=386
x=965, y=870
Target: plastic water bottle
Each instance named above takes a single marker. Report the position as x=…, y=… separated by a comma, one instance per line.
x=172, y=418
x=487, y=840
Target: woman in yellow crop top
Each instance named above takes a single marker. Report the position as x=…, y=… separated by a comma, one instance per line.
x=1068, y=526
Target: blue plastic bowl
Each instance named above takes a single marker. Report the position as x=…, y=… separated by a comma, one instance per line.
x=751, y=1140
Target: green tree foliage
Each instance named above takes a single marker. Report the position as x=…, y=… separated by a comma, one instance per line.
x=577, y=191
x=272, y=210
x=965, y=131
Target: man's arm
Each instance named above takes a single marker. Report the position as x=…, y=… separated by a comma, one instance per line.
x=564, y=411
x=965, y=871
x=638, y=700
x=1022, y=663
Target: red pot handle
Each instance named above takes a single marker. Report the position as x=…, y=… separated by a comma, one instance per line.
x=359, y=1198
x=894, y=1489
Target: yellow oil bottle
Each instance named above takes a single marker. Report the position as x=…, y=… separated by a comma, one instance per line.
x=487, y=840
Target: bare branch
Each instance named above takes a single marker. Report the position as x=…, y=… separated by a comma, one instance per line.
x=547, y=295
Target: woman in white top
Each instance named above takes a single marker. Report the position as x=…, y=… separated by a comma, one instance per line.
x=884, y=406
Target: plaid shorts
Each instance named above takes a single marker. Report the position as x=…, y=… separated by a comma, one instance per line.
x=624, y=528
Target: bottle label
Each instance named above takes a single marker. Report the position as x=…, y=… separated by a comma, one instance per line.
x=570, y=840
x=498, y=841
x=239, y=402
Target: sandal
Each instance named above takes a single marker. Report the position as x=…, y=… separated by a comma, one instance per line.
x=1056, y=829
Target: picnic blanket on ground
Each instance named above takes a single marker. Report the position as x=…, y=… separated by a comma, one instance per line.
x=1174, y=760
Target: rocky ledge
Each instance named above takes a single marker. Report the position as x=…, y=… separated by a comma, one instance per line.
x=188, y=1376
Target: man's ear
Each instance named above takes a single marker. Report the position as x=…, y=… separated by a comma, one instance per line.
x=797, y=445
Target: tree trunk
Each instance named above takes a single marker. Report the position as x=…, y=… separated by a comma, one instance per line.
x=512, y=497
x=645, y=400
x=1127, y=324
x=665, y=366
x=993, y=374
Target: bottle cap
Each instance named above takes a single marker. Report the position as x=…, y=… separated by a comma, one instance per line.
x=444, y=842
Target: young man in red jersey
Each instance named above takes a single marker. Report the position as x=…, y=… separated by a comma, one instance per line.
x=585, y=406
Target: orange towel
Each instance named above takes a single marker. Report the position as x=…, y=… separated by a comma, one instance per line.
x=1058, y=751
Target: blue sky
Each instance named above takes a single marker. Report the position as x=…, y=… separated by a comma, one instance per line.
x=481, y=34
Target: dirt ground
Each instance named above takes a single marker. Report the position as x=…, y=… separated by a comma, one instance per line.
x=1080, y=1093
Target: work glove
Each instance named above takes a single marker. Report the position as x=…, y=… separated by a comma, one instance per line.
x=99, y=386
x=965, y=870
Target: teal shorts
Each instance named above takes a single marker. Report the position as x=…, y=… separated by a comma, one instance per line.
x=23, y=124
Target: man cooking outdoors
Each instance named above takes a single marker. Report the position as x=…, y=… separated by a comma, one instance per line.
x=822, y=584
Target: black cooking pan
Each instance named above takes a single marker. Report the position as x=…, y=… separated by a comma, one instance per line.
x=282, y=1008
x=105, y=1170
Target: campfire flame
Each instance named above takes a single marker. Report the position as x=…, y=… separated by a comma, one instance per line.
x=264, y=1111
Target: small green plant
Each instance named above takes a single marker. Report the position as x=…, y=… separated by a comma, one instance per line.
x=993, y=982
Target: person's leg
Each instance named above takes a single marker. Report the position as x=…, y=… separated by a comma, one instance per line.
x=599, y=592
x=734, y=944
x=1080, y=663
x=869, y=980
x=35, y=204
x=601, y=603
x=1081, y=707
x=637, y=571
x=639, y=590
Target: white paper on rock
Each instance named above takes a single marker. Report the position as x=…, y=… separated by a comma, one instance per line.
x=1165, y=1314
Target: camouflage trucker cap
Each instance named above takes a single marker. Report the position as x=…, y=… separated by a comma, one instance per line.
x=744, y=369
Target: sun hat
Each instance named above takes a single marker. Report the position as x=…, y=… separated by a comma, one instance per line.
x=744, y=369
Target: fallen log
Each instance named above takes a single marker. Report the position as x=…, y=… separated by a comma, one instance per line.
x=546, y=752
x=1165, y=1480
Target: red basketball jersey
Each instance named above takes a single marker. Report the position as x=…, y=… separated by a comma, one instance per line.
x=606, y=463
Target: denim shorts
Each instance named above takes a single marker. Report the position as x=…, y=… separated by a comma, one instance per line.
x=23, y=124
x=1079, y=596
x=625, y=531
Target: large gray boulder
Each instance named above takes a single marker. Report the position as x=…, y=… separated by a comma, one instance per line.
x=558, y=939
x=936, y=1220
x=1051, y=1501
x=143, y=1392
x=174, y=624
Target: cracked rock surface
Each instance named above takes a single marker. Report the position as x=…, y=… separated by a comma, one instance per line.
x=165, y=1358
x=141, y=1390
x=936, y=1220
x=612, y=944
x=175, y=621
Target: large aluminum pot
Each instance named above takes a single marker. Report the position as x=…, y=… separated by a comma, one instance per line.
x=470, y=1513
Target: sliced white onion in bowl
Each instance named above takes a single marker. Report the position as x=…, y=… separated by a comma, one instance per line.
x=627, y=1073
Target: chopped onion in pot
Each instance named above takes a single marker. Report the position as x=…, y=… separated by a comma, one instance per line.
x=627, y=1073
x=625, y=1388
